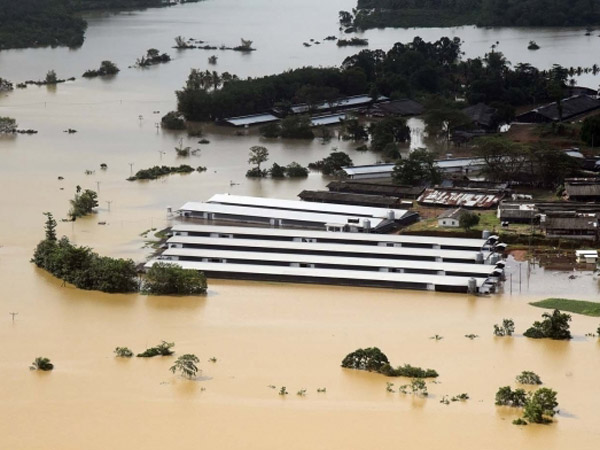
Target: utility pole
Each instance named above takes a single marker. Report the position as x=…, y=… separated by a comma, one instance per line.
x=13, y=314
x=97, y=186
x=109, y=202
x=161, y=153
x=131, y=169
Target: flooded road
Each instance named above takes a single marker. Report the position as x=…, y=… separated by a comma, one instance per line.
x=260, y=333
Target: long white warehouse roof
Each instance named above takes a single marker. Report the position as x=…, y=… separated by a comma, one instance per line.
x=291, y=246
x=289, y=234
x=265, y=213
x=352, y=276
x=478, y=270
x=298, y=205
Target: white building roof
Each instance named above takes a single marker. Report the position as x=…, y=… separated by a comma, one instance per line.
x=371, y=169
x=347, y=102
x=291, y=247
x=475, y=244
x=442, y=164
x=478, y=270
x=250, y=212
x=332, y=119
x=253, y=119
x=300, y=272
x=297, y=205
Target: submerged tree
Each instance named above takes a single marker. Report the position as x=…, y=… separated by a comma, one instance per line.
x=554, y=326
x=83, y=203
x=123, y=352
x=371, y=359
x=7, y=125
x=528, y=377
x=541, y=406
x=258, y=155
x=506, y=329
x=41, y=363
x=186, y=364
x=171, y=279
x=162, y=349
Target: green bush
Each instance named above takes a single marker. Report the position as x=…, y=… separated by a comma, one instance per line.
x=527, y=377
x=170, y=279
x=82, y=267
x=173, y=121
x=162, y=349
x=554, y=326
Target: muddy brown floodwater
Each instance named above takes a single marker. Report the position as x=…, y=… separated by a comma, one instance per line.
x=261, y=334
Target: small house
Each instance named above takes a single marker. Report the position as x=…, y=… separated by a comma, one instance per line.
x=451, y=218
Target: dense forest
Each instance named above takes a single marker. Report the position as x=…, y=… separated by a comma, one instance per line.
x=427, y=71
x=411, y=13
x=41, y=23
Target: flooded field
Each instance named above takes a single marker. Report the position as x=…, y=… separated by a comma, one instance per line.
x=261, y=334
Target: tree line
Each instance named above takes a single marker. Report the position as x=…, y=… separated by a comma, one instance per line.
x=85, y=269
x=42, y=23
x=521, y=13
x=430, y=71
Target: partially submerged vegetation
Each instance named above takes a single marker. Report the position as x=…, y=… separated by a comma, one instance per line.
x=575, y=306
x=506, y=329
x=170, y=279
x=82, y=267
x=41, y=363
x=538, y=407
x=528, y=377
x=554, y=326
x=83, y=203
x=123, y=352
x=106, y=68
x=163, y=349
x=152, y=57
x=332, y=164
x=160, y=171
x=86, y=269
x=374, y=360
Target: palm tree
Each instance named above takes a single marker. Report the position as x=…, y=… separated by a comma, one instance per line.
x=186, y=364
x=41, y=363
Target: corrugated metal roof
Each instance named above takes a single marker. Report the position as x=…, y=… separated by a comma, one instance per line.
x=352, y=276
x=475, y=244
x=291, y=246
x=480, y=270
x=297, y=205
x=332, y=119
x=290, y=215
x=468, y=198
x=253, y=119
x=347, y=102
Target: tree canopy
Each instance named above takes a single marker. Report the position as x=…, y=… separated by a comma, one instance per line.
x=171, y=279
x=554, y=326
x=418, y=169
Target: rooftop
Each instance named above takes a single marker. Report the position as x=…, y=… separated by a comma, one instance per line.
x=253, y=119
x=297, y=205
x=475, y=244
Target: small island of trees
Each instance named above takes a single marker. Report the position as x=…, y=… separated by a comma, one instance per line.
x=374, y=360
x=87, y=270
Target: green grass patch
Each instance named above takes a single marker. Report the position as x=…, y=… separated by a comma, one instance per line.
x=574, y=306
